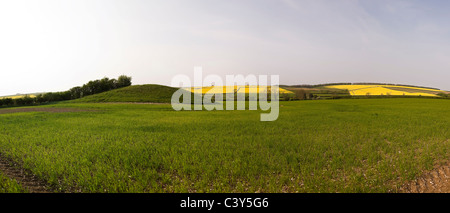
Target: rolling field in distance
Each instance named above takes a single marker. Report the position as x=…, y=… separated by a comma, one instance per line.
x=346, y=145
x=223, y=89
x=374, y=89
x=17, y=96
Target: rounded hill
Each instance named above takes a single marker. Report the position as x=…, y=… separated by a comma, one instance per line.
x=152, y=93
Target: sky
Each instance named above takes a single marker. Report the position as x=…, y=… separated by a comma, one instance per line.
x=48, y=46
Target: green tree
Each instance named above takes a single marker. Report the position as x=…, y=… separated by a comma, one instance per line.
x=123, y=81
x=75, y=92
x=8, y=101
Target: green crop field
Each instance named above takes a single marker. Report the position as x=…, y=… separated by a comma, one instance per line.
x=9, y=185
x=346, y=145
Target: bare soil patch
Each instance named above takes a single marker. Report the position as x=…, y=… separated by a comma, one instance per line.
x=52, y=109
x=26, y=179
x=435, y=181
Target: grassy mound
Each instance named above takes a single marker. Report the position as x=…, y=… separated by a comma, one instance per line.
x=139, y=93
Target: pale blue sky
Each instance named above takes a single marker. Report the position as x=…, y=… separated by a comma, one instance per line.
x=56, y=45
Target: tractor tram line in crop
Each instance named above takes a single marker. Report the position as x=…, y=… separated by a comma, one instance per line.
x=25, y=179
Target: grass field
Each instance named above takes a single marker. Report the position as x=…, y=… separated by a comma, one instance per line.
x=366, y=145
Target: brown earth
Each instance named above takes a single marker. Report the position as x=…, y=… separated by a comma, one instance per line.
x=25, y=178
x=435, y=181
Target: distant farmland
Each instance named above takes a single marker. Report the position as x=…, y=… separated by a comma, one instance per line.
x=18, y=96
x=381, y=89
x=235, y=89
x=362, y=90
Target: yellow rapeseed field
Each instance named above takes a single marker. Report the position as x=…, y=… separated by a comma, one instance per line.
x=223, y=89
x=386, y=90
x=17, y=96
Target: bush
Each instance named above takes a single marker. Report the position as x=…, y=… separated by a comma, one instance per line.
x=123, y=81
x=8, y=102
x=444, y=95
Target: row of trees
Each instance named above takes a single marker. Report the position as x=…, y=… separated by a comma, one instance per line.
x=92, y=87
x=98, y=86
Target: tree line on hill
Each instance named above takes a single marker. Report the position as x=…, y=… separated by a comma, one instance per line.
x=90, y=88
